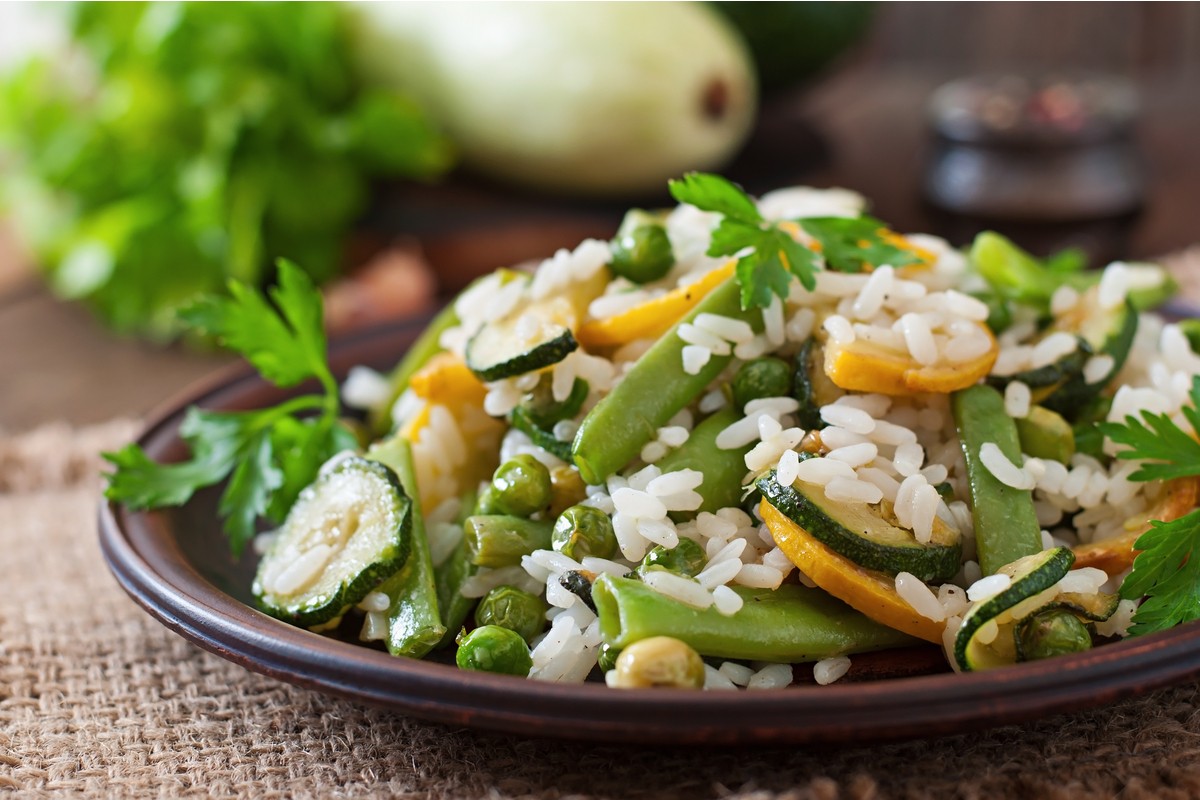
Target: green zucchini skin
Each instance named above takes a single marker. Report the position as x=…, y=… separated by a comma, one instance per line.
x=890, y=549
x=519, y=418
x=543, y=354
x=343, y=580
x=1030, y=575
x=811, y=387
x=1114, y=339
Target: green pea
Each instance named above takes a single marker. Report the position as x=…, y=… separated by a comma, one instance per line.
x=641, y=251
x=494, y=649
x=584, y=531
x=659, y=661
x=606, y=659
x=513, y=608
x=1049, y=633
x=522, y=486
x=762, y=377
x=686, y=558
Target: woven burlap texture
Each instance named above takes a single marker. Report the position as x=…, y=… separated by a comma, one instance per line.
x=97, y=698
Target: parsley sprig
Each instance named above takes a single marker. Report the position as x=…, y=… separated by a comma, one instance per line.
x=268, y=454
x=769, y=257
x=1167, y=570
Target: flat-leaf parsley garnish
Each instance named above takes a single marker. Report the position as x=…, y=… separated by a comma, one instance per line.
x=1167, y=570
x=769, y=256
x=268, y=454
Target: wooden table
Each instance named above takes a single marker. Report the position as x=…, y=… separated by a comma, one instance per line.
x=58, y=364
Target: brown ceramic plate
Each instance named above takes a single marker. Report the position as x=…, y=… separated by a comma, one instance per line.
x=175, y=565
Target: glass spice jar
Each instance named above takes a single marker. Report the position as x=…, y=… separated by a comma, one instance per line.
x=1050, y=161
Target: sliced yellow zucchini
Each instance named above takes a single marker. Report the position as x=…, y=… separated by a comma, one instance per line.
x=863, y=366
x=654, y=317
x=869, y=591
x=868, y=535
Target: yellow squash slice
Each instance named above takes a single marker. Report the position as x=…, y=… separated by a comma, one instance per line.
x=873, y=593
x=863, y=366
x=652, y=318
x=1116, y=554
x=447, y=380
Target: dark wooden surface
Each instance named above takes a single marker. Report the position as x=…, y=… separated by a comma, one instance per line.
x=862, y=126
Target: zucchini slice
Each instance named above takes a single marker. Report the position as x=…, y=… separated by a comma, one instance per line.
x=868, y=535
x=985, y=638
x=539, y=412
x=530, y=337
x=1061, y=386
x=347, y=532
x=520, y=419
x=811, y=387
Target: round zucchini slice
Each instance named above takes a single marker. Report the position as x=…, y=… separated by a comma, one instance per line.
x=868, y=535
x=985, y=638
x=530, y=337
x=346, y=533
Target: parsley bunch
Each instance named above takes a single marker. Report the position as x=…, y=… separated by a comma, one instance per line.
x=268, y=454
x=1167, y=571
x=183, y=144
x=769, y=256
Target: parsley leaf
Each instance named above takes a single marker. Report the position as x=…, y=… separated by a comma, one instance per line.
x=286, y=348
x=768, y=256
x=713, y=193
x=1170, y=451
x=850, y=243
x=1167, y=570
x=268, y=454
x=1167, y=574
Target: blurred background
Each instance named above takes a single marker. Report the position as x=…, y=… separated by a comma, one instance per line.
x=395, y=151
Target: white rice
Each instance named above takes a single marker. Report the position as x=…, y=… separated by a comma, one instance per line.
x=1017, y=399
x=772, y=676
x=1002, y=469
x=913, y=591
x=829, y=670
x=987, y=588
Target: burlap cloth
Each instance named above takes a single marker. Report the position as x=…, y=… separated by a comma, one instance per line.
x=97, y=698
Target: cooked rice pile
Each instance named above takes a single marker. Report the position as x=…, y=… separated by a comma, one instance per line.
x=877, y=447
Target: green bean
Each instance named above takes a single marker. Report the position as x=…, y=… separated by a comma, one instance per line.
x=652, y=392
x=723, y=470
x=513, y=608
x=414, y=620
x=494, y=649
x=521, y=486
x=424, y=348
x=1049, y=633
x=762, y=377
x=1006, y=525
x=499, y=540
x=449, y=578
x=584, y=531
x=641, y=251
x=686, y=558
x=451, y=574
x=790, y=624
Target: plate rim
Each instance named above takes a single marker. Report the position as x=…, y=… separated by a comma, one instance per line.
x=150, y=566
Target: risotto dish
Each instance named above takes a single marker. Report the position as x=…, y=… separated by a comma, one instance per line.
x=748, y=434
